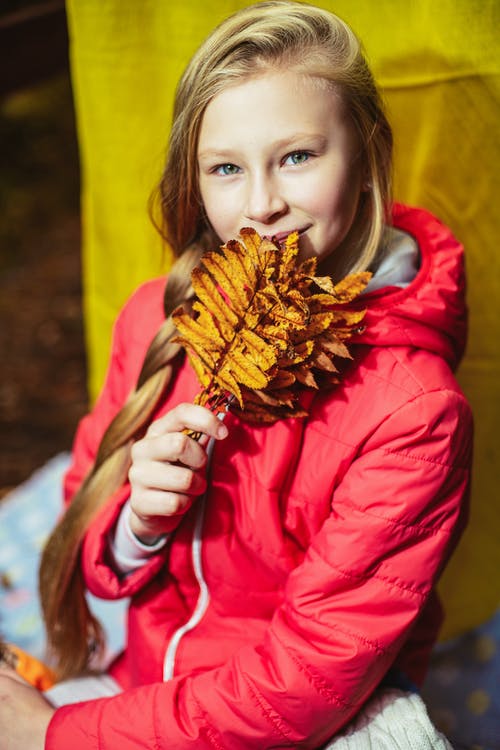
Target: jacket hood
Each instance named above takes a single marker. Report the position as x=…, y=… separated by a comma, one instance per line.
x=430, y=313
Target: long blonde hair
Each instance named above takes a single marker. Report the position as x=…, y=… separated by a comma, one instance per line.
x=267, y=35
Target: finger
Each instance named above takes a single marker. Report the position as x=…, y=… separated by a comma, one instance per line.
x=172, y=447
x=156, y=504
x=6, y=671
x=189, y=417
x=167, y=477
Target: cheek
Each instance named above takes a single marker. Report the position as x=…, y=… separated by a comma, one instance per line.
x=336, y=206
x=333, y=193
x=344, y=200
x=205, y=195
x=219, y=202
x=220, y=215
x=210, y=203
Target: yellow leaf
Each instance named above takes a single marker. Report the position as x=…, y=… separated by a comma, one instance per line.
x=200, y=368
x=228, y=382
x=262, y=351
x=231, y=276
x=257, y=331
x=325, y=283
x=252, y=243
x=307, y=269
x=289, y=253
x=351, y=286
x=296, y=354
x=208, y=294
x=208, y=324
x=193, y=334
x=244, y=370
x=318, y=324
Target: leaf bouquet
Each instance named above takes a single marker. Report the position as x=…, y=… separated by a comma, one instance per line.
x=263, y=326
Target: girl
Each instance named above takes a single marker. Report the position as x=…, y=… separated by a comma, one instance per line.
x=277, y=575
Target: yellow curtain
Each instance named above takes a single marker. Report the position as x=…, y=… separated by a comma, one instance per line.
x=438, y=63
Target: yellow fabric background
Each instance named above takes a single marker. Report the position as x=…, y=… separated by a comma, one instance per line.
x=438, y=63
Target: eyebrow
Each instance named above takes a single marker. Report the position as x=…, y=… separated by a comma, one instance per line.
x=283, y=144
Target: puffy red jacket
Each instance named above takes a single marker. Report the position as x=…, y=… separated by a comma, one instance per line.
x=319, y=548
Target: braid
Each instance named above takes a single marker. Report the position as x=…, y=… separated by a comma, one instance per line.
x=74, y=634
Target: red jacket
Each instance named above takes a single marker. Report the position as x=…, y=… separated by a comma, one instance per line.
x=321, y=543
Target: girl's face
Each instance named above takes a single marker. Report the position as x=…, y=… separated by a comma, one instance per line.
x=279, y=153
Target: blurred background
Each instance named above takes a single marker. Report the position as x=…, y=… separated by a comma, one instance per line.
x=43, y=389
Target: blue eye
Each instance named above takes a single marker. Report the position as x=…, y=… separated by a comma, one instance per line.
x=297, y=157
x=227, y=169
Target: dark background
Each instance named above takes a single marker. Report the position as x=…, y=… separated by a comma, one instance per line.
x=42, y=359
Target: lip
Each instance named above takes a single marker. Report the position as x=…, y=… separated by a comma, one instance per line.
x=281, y=236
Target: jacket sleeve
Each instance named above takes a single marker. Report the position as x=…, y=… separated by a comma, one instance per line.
x=341, y=623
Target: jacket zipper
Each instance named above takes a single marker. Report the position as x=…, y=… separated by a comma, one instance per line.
x=204, y=595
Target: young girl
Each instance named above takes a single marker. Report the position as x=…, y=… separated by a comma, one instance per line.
x=278, y=575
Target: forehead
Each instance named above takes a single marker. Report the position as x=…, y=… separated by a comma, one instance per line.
x=273, y=103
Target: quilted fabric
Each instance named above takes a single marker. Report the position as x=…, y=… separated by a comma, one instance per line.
x=461, y=691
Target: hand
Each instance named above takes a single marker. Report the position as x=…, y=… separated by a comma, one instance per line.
x=168, y=469
x=24, y=714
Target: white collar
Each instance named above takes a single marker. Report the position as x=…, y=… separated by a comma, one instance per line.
x=400, y=261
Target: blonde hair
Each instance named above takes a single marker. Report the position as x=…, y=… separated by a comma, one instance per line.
x=264, y=36
x=274, y=35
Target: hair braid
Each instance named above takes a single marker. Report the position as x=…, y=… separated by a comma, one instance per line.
x=74, y=634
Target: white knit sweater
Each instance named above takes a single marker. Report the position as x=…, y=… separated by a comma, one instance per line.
x=391, y=720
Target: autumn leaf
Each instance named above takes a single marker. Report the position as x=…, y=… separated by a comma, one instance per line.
x=263, y=326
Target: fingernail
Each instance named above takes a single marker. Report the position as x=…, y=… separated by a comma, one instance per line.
x=222, y=431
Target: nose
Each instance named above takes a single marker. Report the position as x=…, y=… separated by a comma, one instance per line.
x=265, y=201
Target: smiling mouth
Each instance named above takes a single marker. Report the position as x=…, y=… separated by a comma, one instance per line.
x=281, y=236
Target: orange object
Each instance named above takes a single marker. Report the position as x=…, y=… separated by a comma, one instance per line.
x=31, y=669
